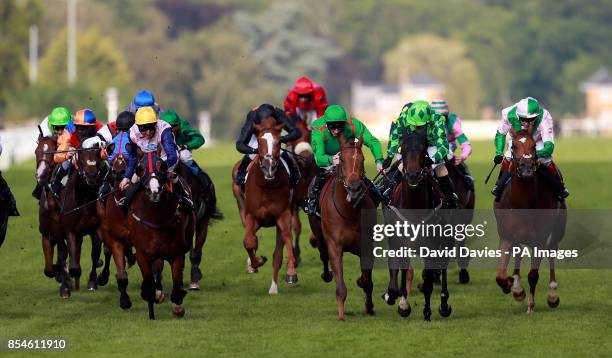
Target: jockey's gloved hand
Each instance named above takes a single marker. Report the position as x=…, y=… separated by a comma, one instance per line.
x=498, y=159
x=254, y=151
x=124, y=183
x=387, y=162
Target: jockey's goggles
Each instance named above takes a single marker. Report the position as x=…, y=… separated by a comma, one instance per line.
x=59, y=127
x=336, y=125
x=146, y=127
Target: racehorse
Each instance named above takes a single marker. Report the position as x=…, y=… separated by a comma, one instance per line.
x=79, y=216
x=417, y=193
x=49, y=218
x=304, y=159
x=159, y=229
x=528, y=213
x=205, y=201
x=267, y=202
x=343, y=198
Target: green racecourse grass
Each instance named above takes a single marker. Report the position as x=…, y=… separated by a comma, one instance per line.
x=233, y=315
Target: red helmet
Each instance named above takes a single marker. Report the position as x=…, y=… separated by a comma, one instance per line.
x=303, y=85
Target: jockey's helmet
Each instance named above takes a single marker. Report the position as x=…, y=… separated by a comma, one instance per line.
x=59, y=117
x=85, y=117
x=527, y=109
x=125, y=121
x=144, y=98
x=439, y=106
x=171, y=117
x=419, y=113
x=303, y=86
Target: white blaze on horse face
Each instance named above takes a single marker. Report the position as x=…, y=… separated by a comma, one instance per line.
x=154, y=185
x=91, y=162
x=527, y=156
x=523, y=140
x=41, y=169
x=270, y=140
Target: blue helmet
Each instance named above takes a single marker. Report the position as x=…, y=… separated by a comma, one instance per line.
x=144, y=98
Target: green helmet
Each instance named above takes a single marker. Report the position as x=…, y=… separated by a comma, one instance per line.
x=59, y=116
x=171, y=117
x=419, y=113
x=335, y=113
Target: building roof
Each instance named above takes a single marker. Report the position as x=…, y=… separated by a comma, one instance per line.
x=601, y=76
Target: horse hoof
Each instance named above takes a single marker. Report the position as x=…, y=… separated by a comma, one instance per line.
x=445, y=312
x=273, y=289
x=160, y=297
x=49, y=274
x=291, y=279
x=519, y=296
x=196, y=274
x=64, y=293
x=92, y=286
x=506, y=285
x=125, y=303
x=194, y=286
x=359, y=283
x=390, y=296
x=464, y=276
x=404, y=312
x=427, y=314
x=553, y=304
x=102, y=279
x=327, y=276
x=178, y=311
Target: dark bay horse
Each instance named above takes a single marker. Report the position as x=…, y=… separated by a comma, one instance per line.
x=205, y=202
x=49, y=218
x=78, y=210
x=160, y=230
x=344, y=197
x=528, y=214
x=267, y=202
x=304, y=159
x=416, y=193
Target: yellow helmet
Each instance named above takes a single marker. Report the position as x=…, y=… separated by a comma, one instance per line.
x=146, y=115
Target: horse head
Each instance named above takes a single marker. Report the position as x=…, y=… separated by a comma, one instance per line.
x=414, y=151
x=155, y=175
x=91, y=161
x=268, y=140
x=523, y=153
x=351, y=168
x=44, y=159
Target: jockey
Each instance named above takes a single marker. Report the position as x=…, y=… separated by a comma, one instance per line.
x=143, y=98
x=52, y=127
x=85, y=125
x=187, y=140
x=7, y=196
x=54, y=124
x=456, y=137
x=306, y=100
x=247, y=140
x=419, y=117
x=149, y=135
x=326, y=147
x=125, y=121
x=518, y=116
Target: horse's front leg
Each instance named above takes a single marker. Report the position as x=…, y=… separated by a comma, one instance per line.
x=195, y=255
x=178, y=293
x=251, y=244
x=518, y=292
x=96, y=251
x=277, y=261
x=445, y=309
x=502, y=278
x=403, y=309
x=284, y=227
x=74, y=245
x=533, y=277
x=48, y=245
x=296, y=226
x=147, y=288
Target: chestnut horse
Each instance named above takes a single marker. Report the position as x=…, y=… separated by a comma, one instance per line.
x=304, y=159
x=49, y=218
x=416, y=192
x=79, y=216
x=528, y=214
x=267, y=202
x=344, y=197
x=159, y=229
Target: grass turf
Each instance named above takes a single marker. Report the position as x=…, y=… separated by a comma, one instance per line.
x=233, y=315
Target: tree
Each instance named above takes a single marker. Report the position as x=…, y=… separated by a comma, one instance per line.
x=444, y=59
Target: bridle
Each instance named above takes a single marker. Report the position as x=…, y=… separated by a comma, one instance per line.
x=341, y=177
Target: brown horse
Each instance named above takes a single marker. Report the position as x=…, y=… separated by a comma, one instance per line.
x=528, y=214
x=205, y=201
x=159, y=229
x=267, y=202
x=49, y=218
x=304, y=159
x=344, y=197
x=78, y=209
x=417, y=193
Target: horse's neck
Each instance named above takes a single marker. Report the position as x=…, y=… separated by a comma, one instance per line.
x=158, y=212
x=257, y=176
x=342, y=205
x=522, y=192
x=415, y=198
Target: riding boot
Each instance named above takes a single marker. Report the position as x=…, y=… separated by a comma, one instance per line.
x=388, y=185
x=502, y=180
x=242, y=170
x=294, y=172
x=450, y=197
x=465, y=172
x=552, y=174
x=375, y=194
x=57, y=177
x=183, y=195
x=37, y=192
x=314, y=193
x=7, y=195
x=125, y=202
